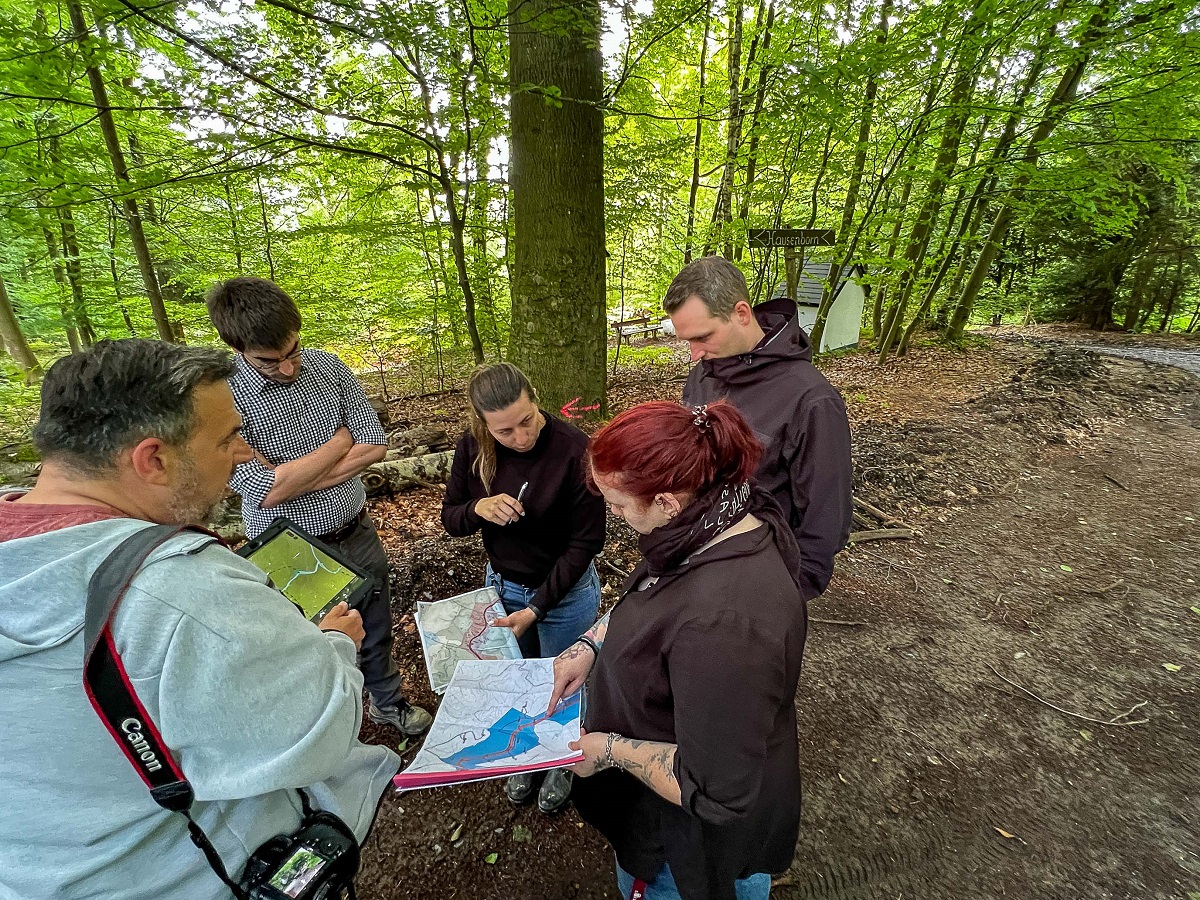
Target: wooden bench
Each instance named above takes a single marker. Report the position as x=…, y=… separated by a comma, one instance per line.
x=627, y=328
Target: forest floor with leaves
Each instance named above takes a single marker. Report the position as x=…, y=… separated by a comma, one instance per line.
x=1054, y=497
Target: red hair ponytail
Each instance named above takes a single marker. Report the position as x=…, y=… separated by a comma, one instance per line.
x=661, y=447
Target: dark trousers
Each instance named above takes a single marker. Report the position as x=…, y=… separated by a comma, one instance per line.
x=380, y=676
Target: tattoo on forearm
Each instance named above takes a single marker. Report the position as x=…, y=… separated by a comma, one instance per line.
x=651, y=762
x=575, y=651
x=599, y=630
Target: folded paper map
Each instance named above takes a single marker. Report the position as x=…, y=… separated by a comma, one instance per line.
x=460, y=628
x=493, y=722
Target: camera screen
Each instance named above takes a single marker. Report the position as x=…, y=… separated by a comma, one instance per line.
x=310, y=578
x=298, y=872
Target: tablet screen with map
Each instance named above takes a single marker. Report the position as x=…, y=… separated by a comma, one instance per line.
x=307, y=572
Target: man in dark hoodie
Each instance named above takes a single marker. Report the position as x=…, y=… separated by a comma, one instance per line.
x=760, y=360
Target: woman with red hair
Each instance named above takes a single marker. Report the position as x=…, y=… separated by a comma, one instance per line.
x=691, y=767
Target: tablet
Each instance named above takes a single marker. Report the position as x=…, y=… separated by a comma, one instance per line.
x=313, y=576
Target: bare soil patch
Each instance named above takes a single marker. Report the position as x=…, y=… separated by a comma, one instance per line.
x=1055, y=499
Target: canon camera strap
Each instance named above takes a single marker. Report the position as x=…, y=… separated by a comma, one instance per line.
x=112, y=695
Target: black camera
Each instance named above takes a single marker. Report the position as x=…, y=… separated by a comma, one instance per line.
x=318, y=862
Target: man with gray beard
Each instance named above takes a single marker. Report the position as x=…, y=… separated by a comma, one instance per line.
x=251, y=699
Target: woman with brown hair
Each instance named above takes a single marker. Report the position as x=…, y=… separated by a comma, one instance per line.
x=691, y=765
x=518, y=476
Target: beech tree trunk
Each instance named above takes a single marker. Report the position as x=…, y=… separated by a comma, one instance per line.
x=558, y=294
x=116, y=156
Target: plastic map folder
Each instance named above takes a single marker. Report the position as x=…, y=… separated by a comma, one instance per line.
x=493, y=723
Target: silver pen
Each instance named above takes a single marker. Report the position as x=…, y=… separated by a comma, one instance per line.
x=521, y=492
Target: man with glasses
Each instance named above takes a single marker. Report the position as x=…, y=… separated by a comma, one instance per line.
x=313, y=432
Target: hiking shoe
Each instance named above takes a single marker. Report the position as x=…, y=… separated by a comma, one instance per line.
x=555, y=790
x=519, y=788
x=404, y=717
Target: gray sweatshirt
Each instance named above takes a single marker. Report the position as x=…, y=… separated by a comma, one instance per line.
x=251, y=698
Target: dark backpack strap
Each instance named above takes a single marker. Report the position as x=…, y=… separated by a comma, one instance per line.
x=112, y=696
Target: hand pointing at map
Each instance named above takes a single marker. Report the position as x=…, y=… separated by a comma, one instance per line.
x=346, y=620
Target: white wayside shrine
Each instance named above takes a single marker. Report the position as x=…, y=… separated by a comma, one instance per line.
x=845, y=315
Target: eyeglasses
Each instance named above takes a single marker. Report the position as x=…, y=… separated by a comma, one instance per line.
x=271, y=366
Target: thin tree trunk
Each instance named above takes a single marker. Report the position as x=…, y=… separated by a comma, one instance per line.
x=722, y=216
x=117, y=157
x=233, y=226
x=760, y=95
x=856, y=177
x=60, y=281
x=266, y=226
x=1060, y=101
x=1143, y=277
x=1176, y=289
x=691, y=219
x=918, y=243
x=435, y=332
x=14, y=339
x=947, y=255
x=74, y=267
x=456, y=210
x=112, y=267
x=481, y=259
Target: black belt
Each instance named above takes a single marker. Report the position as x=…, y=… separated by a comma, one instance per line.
x=346, y=530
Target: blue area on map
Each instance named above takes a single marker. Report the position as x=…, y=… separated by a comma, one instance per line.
x=511, y=735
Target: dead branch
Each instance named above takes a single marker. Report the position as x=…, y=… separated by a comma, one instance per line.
x=880, y=534
x=1114, y=481
x=876, y=512
x=615, y=570
x=1105, y=590
x=929, y=746
x=1114, y=721
x=891, y=563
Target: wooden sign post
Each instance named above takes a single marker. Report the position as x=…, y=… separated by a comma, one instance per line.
x=793, y=241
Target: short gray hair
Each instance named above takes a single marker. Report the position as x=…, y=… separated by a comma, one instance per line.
x=117, y=393
x=715, y=280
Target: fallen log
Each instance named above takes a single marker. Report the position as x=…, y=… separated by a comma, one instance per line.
x=414, y=471
x=418, y=441
x=880, y=534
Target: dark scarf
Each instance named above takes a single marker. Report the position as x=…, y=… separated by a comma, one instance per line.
x=707, y=516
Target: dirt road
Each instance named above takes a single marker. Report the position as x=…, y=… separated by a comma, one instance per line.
x=1056, y=499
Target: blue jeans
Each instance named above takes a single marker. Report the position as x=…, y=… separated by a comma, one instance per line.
x=756, y=887
x=563, y=625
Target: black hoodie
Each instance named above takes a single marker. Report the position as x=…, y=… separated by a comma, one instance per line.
x=801, y=421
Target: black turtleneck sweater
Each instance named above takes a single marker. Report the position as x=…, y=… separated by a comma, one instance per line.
x=562, y=530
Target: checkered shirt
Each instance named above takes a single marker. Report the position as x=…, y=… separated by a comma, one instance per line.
x=286, y=421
